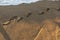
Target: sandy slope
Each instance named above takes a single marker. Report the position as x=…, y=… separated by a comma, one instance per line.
x=29, y=28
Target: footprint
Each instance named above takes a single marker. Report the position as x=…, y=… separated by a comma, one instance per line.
x=41, y=13
x=47, y=9
x=29, y=14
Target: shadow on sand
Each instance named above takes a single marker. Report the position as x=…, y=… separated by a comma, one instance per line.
x=4, y=33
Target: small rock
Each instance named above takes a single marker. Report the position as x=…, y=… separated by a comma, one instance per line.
x=19, y=18
x=6, y=23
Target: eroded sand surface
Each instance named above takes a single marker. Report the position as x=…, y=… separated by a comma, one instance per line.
x=41, y=24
